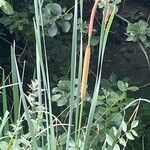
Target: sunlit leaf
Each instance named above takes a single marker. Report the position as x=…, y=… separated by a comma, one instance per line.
x=129, y=136
x=134, y=133
x=134, y=123
x=7, y=8
x=122, y=141
x=109, y=140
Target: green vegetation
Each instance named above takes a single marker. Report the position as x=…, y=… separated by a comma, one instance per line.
x=60, y=109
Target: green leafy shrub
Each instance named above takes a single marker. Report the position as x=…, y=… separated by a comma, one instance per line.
x=98, y=122
x=55, y=16
x=20, y=22
x=139, y=32
x=111, y=101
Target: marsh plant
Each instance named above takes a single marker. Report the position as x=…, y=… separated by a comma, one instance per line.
x=68, y=116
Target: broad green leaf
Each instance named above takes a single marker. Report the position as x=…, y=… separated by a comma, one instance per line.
x=7, y=8
x=122, y=86
x=52, y=30
x=64, y=85
x=55, y=8
x=116, y=2
x=68, y=16
x=134, y=124
x=115, y=117
x=122, y=141
x=56, y=90
x=56, y=97
x=143, y=38
x=2, y=2
x=129, y=136
x=65, y=25
x=116, y=147
x=109, y=140
x=115, y=131
x=134, y=133
x=3, y=145
x=94, y=40
x=63, y=100
x=130, y=38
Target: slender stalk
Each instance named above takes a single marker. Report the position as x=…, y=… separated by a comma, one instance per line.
x=73, y=71
x=5, y=108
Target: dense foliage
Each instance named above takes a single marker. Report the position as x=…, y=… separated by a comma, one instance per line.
x=47, y=113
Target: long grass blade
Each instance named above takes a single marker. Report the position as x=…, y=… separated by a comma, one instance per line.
x=3, y=123
x=30, y=125
x=98, y=80
x=73, y=71
x=145, y=54
x=16, y=97
x=79, y=71
x=5, y=106
x=45, y=74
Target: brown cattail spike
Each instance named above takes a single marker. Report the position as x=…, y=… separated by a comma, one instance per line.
x=85, y=71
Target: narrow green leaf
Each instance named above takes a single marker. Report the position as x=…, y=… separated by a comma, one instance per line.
x=109, y=140
x=124, y=126
x=134, y=133
x=133, y=88
x=122, y=142
x=4, y=120
x=129, y=136
x=134, y=124
x=116, y=147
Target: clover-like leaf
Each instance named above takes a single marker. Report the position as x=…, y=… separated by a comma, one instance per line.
x=55, y=8
x=122, y=86
x=52, y=30
x=68, y=16
x=65, y=25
